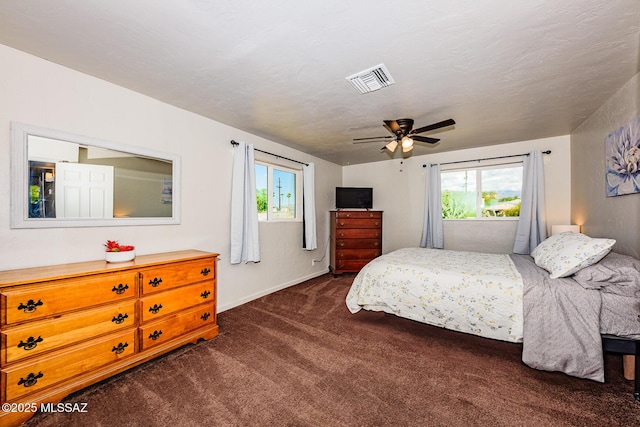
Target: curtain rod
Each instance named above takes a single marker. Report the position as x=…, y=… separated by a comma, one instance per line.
x=488, y=158
x=271, y=154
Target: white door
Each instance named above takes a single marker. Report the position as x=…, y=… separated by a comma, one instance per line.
x=84, y=191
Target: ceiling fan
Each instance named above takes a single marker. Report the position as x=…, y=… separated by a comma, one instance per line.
x=402, y=133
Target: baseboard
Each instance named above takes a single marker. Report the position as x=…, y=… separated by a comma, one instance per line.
x=271, y=290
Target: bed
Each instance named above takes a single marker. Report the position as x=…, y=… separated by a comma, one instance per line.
x=559, y=302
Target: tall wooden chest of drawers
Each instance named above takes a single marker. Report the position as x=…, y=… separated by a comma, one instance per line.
x=356, y=239
x=68, y=326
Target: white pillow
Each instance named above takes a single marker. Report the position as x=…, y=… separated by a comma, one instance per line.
x=565, y=253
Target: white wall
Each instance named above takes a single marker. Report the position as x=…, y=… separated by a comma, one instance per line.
x=601, y=216
x=399, y=192
x=38, y=92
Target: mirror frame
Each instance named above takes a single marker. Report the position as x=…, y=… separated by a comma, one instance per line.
x=20, y=180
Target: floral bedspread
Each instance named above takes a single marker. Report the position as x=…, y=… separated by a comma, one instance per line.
x=476, y=293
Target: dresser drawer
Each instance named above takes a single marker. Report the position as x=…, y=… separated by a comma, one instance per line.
x=358, y=223
x=56, y=297
x=359, y=233
x=160, y=304
x=166, y=277
x=34, y=338
x=351, y=265
x=161, y=331
x=347, y=254
x=25, y=378
x=358, y=244
x=358, y=214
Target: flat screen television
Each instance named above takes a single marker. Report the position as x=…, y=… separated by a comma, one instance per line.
x=354, y=198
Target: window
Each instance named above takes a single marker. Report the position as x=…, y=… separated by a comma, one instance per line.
x=486, y=192
x=278, y=192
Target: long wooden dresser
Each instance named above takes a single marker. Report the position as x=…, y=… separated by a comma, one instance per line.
x=356, y=239
x=67, y=326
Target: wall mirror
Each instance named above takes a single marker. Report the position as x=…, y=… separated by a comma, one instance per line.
x=65, y=180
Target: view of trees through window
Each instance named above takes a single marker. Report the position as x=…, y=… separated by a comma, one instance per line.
x=482, y=192
x=281, y=184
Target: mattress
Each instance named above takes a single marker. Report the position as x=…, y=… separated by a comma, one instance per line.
x=476, y=293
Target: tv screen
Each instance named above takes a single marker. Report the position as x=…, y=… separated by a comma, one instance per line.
x=354, y=198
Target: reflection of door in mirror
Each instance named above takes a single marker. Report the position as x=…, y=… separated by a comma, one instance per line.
x=84, y=190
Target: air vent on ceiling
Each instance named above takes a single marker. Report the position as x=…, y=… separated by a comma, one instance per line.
x=372, y=79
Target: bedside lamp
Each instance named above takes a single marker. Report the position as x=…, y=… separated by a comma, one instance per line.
x=557, y=229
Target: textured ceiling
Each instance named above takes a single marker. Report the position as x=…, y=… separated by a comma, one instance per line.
x=505, y=70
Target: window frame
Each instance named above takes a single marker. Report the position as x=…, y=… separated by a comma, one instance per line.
x=270, y=189
x=479, y=199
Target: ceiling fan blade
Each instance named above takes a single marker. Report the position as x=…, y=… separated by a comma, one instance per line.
x=442, y=124
x=392, y=126
x=424, y=139
x=372, y=139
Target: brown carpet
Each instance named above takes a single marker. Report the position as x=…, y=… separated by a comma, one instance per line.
x=299, y=358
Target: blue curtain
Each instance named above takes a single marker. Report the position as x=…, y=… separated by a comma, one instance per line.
x=245, y=244
x=309, y=207
x=432, y=227
x=532, y=226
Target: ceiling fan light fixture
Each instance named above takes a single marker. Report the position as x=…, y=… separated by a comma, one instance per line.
x=392, y=146
x=403, y=134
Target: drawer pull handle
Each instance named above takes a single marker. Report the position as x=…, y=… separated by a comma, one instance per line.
x=341, y=244
x=342, y=223
x=205, y=294
x=31, y=306
x=121, y=289
x=376, y=244
x=32, y=379
x=205, y=271
x=341, y=234
x=348, y=215
x=155, y=335
x=119, y=348
x=155, y=282
x=205, y=316
x=155, y=309
x=31, y=343
x=119, y=318
x=376, y=223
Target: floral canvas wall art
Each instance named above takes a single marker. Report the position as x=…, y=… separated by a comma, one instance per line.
x=622, y=151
